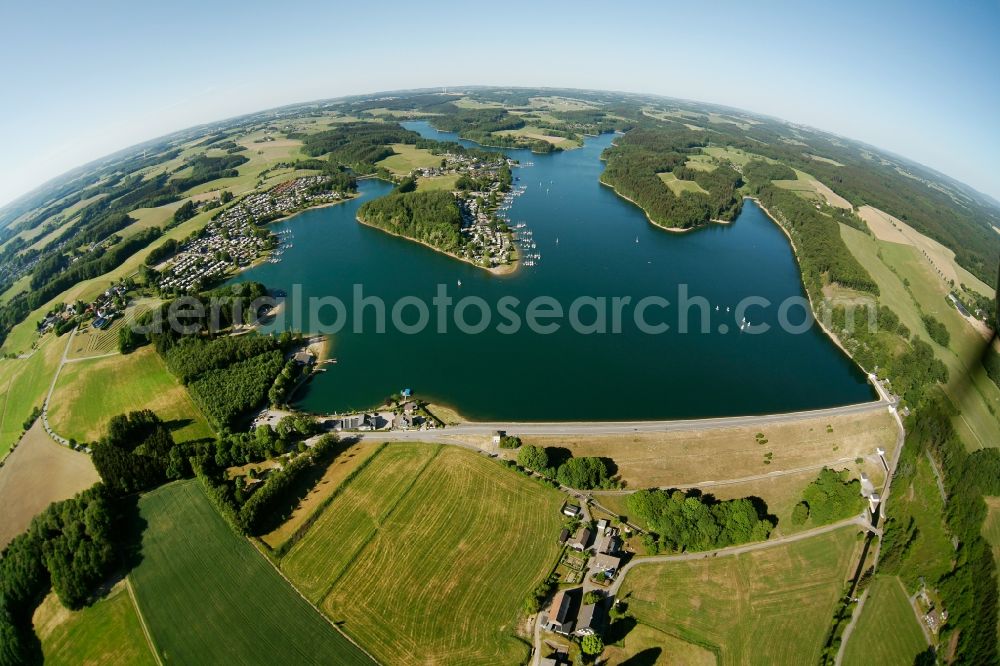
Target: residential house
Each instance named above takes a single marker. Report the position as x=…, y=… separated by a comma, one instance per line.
x=608, y=564
x=581, y=540
x=609, y=543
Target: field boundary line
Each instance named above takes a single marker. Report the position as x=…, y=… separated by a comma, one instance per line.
x=311, y=604
x=380, y=521
x=142, y=621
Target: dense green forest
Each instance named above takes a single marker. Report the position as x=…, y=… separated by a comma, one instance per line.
x=193, y=356
x=820, y=250
x=636, y=159
x=357, y=144
x=429, y=217
x=226, y=394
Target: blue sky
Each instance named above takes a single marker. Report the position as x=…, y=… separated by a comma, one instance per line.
x=80, y=80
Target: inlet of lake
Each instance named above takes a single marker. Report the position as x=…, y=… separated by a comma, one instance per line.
x=592, y=244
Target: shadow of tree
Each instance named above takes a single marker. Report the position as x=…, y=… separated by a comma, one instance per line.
x=647, y=657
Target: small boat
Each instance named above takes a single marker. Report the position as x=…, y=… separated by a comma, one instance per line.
x=459, y=283
x=716, y=308
x=557, y=240
x=727, y=308
x=636, y=239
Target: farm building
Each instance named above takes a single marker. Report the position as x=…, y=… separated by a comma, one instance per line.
x=559, y=619
x=571, y=510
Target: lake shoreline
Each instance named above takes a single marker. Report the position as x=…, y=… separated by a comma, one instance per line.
x=795, y=252
x=673, y=230
x=500, y=271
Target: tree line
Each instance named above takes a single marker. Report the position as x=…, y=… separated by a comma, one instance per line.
x=679, y=521
x=582, y=473
x=820, y=250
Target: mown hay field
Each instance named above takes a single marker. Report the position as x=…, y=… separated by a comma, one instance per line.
x=772, y=606
x=428, y=554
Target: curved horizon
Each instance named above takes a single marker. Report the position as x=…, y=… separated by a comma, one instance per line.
x=446, y=88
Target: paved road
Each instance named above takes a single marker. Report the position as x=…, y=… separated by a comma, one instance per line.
x=623, y=427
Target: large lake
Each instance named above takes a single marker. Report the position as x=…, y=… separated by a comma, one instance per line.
x=592, y=243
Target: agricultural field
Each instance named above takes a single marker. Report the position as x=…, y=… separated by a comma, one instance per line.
x=436, y=550
x=646, y=646
x=37, y=473
x=893, y=230
x=827, y=160
x=700, y=163
x=22, y=284
x=106, y=632
x=679, y=187
x=23, y=385
x=763, y=607
x=353, y=518
x=890, y=264
x=446, y=183
x=408, y=158
x=887, y=632
x=538, y=134
x=810, y=188
x=91, y=391
x=147, y=218
x=668, y=459
x=557, y=103
x=249, y=613
x=346, y=461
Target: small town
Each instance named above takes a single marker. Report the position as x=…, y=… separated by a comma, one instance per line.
x=235, y=238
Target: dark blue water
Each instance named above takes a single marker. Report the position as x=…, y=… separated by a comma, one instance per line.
x=606, y=248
